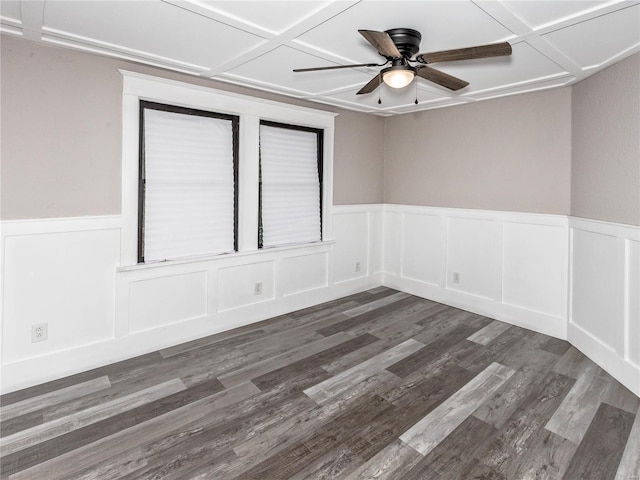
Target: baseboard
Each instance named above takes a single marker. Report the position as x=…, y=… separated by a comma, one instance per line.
x=521, y=317
x=622, y=370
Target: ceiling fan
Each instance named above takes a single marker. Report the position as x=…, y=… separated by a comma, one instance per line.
x=399, y=45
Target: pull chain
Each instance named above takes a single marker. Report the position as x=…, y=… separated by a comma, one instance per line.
x=416, y=102
x=379, y=89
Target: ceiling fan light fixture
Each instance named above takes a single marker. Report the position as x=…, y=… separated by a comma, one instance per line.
x=398, y=77
x=399, y=46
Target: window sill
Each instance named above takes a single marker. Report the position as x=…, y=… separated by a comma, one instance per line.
x=226, y=256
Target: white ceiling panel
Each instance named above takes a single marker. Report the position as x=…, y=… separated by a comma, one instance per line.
x=596, y=41
x=10, y=10
x=259, y=42
x=532, y=14
x=282, y=14
x=275, y=68
x=525, y=88
x=443, y=25
x=156, y=28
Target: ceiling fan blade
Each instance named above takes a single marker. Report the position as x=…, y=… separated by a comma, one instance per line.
x=470, y=53
x=382, y=42
x=372, y=85
x=315, y=69
x=441, y=78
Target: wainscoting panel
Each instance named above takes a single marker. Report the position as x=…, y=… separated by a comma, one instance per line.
x=596, y=306
x=604, y=319
x=304, y=273
x=392, y=241
x=162, y=301
x=237, y=285
x=422, y=244
x=376, y=239
x=508, y=266
x=534, y=273
x=60, y=273
x=472, y=256
x=350, y=254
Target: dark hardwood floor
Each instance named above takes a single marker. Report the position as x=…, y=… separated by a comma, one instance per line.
x=376, y=385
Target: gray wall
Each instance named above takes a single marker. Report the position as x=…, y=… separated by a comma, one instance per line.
x=359, y=143
x=511, y=153
x=61, y=145
x=605, y=167
x=61, y=132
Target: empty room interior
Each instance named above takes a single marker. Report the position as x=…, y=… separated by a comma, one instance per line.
x=320, y=239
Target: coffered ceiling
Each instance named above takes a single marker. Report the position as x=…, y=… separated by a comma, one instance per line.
x=259, y=43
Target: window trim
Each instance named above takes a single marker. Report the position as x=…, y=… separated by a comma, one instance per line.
x=164, y=107
x=250, y=110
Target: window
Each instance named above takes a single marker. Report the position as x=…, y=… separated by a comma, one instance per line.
x=290, y=209
x=187, y=182
x=191, y=178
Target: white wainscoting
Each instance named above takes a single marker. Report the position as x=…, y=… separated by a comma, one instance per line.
x=509, y=266
x=604, y=318
x=65, y=272
x=359, y=256
x=48, y=263
x=513, y=267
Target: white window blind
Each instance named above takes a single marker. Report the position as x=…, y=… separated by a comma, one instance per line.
x=290, y=186
x=189, y=185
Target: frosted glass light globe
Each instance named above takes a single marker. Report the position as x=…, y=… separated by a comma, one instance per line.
x=398, y=78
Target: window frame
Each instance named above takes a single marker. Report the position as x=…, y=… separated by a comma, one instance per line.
x=320, y=161
x=164, y=107
x=250, y=110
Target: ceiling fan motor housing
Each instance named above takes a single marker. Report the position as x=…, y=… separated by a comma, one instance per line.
x=406, y=40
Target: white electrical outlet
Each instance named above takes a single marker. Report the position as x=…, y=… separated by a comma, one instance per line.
x=456, y=277
x=39, y=332
x=258, y=288
x=357, y=266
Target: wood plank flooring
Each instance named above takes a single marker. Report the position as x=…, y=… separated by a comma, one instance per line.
x=377, y=385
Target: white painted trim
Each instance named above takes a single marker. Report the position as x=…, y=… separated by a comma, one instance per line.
x=237, y=258
x=249, y=176
x=628, y=341
x=59, y=225
x=327, y=181
x=631, y=232
x=519, y=217
x=143, y=86
x=360, y=208
x=130, y=172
